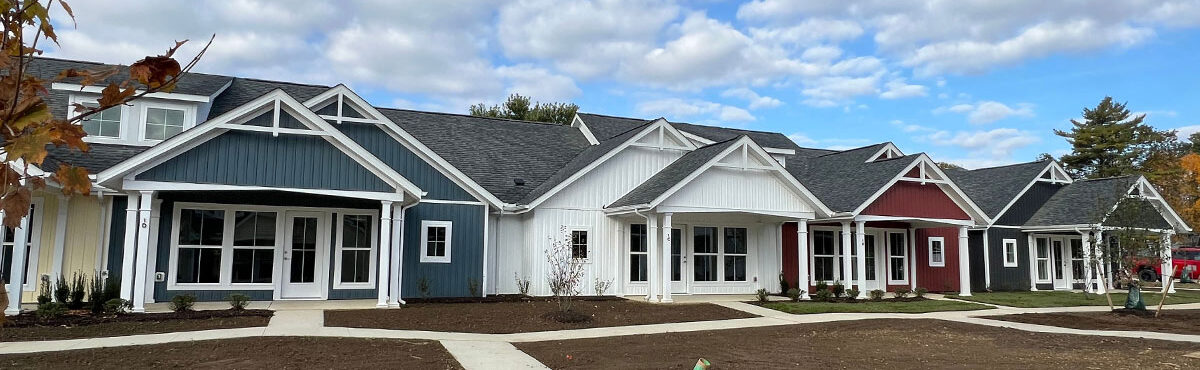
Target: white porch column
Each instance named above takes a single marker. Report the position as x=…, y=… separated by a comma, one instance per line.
x=1102, y=273
x=912, y=258
x=145, y=203
x=397, y=257
x=666, y=259
x=844, y=251
x=1168, y=266
x=16, y=269
x=860, y=259
x=382, y=288
x=987, y=261
x=964, y=263
x=802, y=252
x=1032, y=262
x=651, y=255
x=1087, y=262
x=131, y=228
x=60, y=237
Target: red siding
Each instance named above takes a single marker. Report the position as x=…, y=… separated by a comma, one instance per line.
x=910, y=199
x=937, y=279
x=791, y=260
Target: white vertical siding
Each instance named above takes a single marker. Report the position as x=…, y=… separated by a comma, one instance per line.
x=722, y=188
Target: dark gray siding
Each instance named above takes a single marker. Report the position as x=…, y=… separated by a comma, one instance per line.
x=1008, y=278
x=978, y=274
x=258, y=159
x=1028, y=204
x=466, y=250
x=116, y=237
x=408, y=164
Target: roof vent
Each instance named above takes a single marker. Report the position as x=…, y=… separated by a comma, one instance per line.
x=519, y=182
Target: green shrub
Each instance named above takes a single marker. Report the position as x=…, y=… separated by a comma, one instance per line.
x=795, y=294
x=117, y=306
x=821, y=285
x=77, y=291
x=823, y=296
x=183, y=303
x=875, y=295
x=44, y=292
x=96, y=297
x=62, y=290
x=838, y=289
x=473, y=287
x=783, y=283
x=920, y=292
x=423, y=287
x=51, y=310
x=852, y=294
x=762, y=295
x=238, y=301
x=901, y=292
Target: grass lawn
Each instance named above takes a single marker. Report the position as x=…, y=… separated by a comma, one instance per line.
x=874, y=307
x=1070, y=299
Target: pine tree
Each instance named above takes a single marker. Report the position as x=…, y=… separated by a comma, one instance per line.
x=518, y=107
x=1111, y=141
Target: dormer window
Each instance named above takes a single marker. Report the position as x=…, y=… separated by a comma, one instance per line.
x=106, y=123
x=163, y=123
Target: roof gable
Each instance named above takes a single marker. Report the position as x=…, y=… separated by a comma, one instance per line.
x=1087, y=203
x=997, y=189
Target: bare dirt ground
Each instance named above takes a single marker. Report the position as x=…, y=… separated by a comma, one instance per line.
x=249, y=353
x=865, y=344
x=1171, y=321
x=520, y=317
x=27, y=327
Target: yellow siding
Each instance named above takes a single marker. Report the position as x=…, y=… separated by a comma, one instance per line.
x=83, y=233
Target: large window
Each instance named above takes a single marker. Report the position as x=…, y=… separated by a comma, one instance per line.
x=706, y=253
x=1010, y=252
x=1043, y=259
x=435, y=241
x=937, y=251
x=106, y=123
x=824, y=255
x=31, y=249
x=163, y=123
x=356, y=238
x=1076, y=258
x=735, y=254
x=897, y=259
x=200, y=239
x=253, y=246
x=639, y=262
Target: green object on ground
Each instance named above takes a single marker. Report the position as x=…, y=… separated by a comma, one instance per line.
x=1134, y=300
x=884, y=306
x=1070, y=299
x=702, y=364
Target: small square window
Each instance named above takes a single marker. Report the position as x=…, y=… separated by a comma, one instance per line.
x=106, y=123
x=435, y=241
x=579, y=244
x=163, y=123
x=937, y=252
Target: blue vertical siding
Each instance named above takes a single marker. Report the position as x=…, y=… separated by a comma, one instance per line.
x=408, y=164
x=466, y=250
x=258, y=159
x=116, y=237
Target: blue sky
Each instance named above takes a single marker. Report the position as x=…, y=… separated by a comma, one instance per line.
x=976, y=83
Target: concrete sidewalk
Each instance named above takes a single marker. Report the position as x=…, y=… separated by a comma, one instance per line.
x=490, y=355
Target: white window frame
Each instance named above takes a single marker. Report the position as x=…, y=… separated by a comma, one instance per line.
x=233, y=247
x=338, y=248
x=1038, y=261
x=1010, y=245
x=724, y=254
x=719, y=239
x=903, y=257
x=123, y=138
x=189, y=117
x=628, y=243
x=812, y=246
x=34, y=244
x=425, y=225
x=941, y=241
x=571, y=240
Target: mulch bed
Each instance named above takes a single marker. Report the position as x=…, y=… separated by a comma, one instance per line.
x=81, y=324
x=525, y=316
x=1171, y=321
x=865, y=344
x=249, y=353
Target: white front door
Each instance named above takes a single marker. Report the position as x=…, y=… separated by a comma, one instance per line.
x=679, y=258
x=1061, y=262
x=304, y=251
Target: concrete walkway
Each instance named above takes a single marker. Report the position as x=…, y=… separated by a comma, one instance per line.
x=486, y=351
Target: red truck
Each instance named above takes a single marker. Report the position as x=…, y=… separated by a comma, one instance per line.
x=1151, y=269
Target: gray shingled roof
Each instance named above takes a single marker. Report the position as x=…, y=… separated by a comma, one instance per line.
x=99, y=156
x=995, y=187
x=608, y=126
x=843, y=180
x=191, y=83
x=585, y=158
x=495, y=152
x=1082, y=202
x=243, y=90
x=668, y=177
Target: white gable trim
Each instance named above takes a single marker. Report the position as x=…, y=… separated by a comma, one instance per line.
x=411, y=143
x=1144, y=186
x=888, y=151
x=1053, y=167
x=576, y=122
x=278, y=101
x=937, y=176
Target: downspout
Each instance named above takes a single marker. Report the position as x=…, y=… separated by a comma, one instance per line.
x=398, y=256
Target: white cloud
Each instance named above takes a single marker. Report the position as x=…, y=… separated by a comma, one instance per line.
x=538, y=83
x=809, y=32
x=756, y=101
x=804, y=140
x=898, y=89
x=687, y=109
x=987, y=111
x=1186, y=131
x=998, y=143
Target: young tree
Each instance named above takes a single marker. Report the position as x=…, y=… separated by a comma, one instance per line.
x=565, y=275
x=518, y=107
x=1127, y=241
x=1110, y=141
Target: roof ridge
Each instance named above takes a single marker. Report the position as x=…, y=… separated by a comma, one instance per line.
x=611, y=116
x=120, y=65
x=472, y=116
x=1010, y=165
x=1108, y=178
x=853, y=149
x=280, y=82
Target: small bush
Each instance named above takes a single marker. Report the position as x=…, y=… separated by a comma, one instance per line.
x=473, y=287
x=51, y=310
x=44, y=292
x=875, y=295
x=795, y=294
x=602, y=286
x=920, y=292
x=821, y=285
x=783, y=284
x=423, y=287
x=238, y=301
x=117, y=306
x=823, y=296
x=522, y=284
x=852, y=294
x=62, y=290
x=838, y=289
x=762, y=295
x=901, y=292
x=77, y=291
x=96, y=296
x=183, y=303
